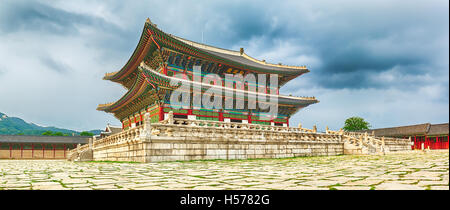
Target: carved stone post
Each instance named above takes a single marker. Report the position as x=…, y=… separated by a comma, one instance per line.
x=300, y=125
x=147, y=131
x=314, y=129
x=410, y=142
x=170, y=118
x=326, y=130
x=91, y=142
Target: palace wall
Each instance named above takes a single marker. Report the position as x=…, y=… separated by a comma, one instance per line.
x=29, y=154
x=395, y=144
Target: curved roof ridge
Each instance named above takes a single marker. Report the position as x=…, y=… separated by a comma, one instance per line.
x=100, y=106
x=232, y=52
x=147, y=68
x=137, y=84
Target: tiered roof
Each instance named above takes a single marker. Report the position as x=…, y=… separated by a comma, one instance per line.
x=141, y=74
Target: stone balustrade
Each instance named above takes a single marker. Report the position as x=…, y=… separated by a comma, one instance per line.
x=185, y=139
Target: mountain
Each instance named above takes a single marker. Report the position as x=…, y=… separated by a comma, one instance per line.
x=15, y=125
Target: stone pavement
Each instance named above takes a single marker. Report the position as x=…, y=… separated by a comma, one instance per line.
x=415, y=170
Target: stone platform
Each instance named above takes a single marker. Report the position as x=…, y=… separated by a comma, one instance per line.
x=183, y=140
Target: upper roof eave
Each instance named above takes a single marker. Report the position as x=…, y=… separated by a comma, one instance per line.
x=235, y=56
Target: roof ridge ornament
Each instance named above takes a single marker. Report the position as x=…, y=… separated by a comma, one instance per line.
x=150, y=22
x=241, y=51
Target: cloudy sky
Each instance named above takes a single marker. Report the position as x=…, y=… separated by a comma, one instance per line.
x=383, y=60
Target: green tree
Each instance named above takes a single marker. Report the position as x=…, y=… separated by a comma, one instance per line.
x=50, y=133
x=85, y=133
x=47, y=133
x=356, y=124
x=58, y=134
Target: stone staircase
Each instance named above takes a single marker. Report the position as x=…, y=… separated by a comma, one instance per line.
x=356, y=143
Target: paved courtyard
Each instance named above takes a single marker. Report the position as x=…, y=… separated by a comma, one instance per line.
x=411, y=171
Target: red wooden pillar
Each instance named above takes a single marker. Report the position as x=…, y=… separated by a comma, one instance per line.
x=432, y=143
x=32, y=150
x=43, y=151
x=221, y=115
x=21, y=150
x=437, y=143
x=447, y=142
x=417, y=143
x=249, y=118
x=10, y=150
x=429, y=142
x=431, y=139
x=161, y=113
x=287, y=122
x=64, y=150
x=54, y=151
x=423, y=142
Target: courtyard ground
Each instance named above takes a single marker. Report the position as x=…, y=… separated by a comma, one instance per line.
x=415, y=170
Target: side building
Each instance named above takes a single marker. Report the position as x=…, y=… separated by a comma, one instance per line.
x=38, y=147
x=423, y=136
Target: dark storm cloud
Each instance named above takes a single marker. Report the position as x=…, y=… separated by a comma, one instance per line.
x=27, y=15
x=243, y=22
x=40, y=19
x=54, y=64
x=366, y=57
x=353, y=43
x=354, y=59
x=20, y=15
